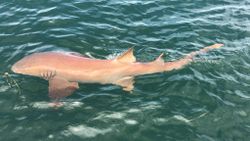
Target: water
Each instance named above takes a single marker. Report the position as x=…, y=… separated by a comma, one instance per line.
x=206, y=101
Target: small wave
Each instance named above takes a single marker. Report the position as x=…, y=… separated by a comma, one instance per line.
x=84, y=131
x=49, y=105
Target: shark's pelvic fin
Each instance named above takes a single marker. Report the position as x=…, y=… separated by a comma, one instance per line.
x=127, y=57
x=60, y=88
x=127, y=83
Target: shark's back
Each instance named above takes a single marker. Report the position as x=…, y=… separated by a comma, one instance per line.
x=58, y=60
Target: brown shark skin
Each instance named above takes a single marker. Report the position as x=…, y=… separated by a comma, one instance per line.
x=76, y=68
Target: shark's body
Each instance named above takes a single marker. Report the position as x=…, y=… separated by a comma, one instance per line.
x=65, y=70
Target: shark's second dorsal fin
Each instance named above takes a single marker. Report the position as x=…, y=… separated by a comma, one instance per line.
x=159, y=59
x=127, y=57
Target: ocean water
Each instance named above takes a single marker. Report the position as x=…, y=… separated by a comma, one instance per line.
x=208, y=100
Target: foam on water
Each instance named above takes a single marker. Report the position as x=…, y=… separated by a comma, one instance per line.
x=65, y=105
x=130, y=121
x=84, y=131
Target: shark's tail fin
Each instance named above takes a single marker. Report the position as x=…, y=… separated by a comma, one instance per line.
x=189, y=58
x=204, y=50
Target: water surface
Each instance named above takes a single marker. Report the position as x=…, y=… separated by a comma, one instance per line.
x=208, y=100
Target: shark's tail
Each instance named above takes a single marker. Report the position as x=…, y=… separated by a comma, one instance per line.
x=189, y=58
x=204, y=50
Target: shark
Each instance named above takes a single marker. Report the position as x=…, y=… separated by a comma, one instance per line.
x=64, y=71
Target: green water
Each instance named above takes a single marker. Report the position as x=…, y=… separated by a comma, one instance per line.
x=206, y=101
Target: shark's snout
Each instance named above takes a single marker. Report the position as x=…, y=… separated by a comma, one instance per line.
x=15, y=68
x=19, y=67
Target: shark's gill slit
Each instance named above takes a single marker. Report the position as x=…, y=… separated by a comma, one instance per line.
x=42, y=75
x=47, y=75
x=52, y=74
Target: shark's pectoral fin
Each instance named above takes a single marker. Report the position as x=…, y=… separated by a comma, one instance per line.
x=60, y=88
x=127, y=83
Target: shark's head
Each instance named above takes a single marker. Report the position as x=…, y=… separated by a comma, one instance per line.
x=27, y=66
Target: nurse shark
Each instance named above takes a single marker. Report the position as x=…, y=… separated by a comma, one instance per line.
x=65, y=70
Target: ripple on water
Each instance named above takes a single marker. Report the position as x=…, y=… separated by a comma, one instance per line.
x=65, y=105
x=84, y=131
x=203, y=101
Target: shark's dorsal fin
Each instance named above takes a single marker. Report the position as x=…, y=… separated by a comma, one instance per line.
x=127, y=57
x=159, y=59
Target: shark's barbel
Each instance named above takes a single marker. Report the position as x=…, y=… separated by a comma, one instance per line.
x=65, y=70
